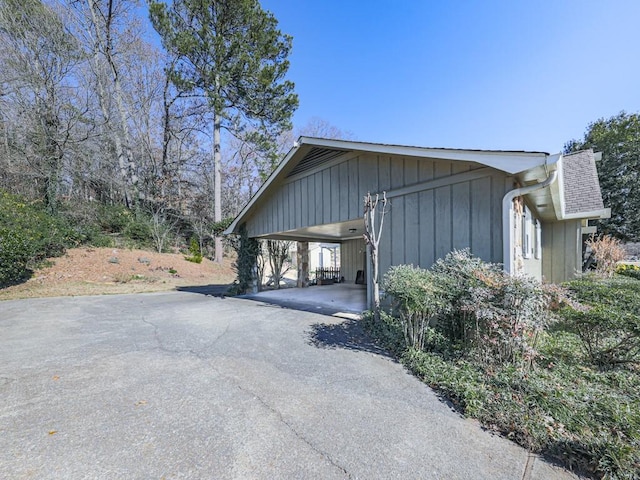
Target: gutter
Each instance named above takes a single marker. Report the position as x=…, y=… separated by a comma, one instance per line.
x=508, y=239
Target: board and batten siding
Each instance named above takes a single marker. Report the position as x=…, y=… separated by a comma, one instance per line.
x=426, y=225
x=420, y=226
x=562, y=250
x=352, y=258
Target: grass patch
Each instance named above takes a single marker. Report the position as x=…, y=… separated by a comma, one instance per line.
x=572, y=405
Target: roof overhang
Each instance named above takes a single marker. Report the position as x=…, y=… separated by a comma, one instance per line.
x=550, y=202
x=309, y=152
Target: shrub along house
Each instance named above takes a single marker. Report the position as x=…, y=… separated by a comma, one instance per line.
x=527, y=210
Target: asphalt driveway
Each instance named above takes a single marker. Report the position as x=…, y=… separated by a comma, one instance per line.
x=183, y=385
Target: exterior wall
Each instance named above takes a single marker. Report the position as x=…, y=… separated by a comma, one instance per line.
x=328, y=195
x=419, y=227
x=533, y=267
x=353, y=258
x=424, y=226
x=561, y=250
x=528, y=258
x=323, y=257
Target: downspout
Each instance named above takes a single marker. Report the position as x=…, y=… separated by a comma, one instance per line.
x=508, y=239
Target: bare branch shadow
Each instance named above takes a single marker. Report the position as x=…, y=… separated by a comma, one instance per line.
x=348, y=334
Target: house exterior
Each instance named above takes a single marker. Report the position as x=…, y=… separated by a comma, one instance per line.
x=527, y=210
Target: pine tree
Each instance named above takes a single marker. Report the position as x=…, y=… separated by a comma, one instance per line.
x=232, y=53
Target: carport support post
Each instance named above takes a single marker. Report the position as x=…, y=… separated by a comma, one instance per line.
x=303, y=264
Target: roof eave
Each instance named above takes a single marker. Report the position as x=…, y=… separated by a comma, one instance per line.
x=511, y=162
x=591, y=215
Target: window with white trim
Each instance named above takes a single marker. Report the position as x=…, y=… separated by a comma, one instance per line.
x=538, y=250
x=527, y=233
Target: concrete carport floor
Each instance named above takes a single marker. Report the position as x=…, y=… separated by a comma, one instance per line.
x=183, y=385
x=340, y=299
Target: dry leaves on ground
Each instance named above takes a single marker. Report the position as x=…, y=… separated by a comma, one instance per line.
x=95, y=271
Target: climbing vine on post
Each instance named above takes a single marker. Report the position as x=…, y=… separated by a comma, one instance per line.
x=247, y=250
x=374, y=209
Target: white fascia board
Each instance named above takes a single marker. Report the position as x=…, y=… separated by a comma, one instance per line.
x=507, y=161
x=594, y=214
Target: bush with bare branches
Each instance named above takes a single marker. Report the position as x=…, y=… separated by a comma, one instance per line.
x=607, y=252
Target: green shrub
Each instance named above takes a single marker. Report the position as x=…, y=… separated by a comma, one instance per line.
x=194, y=250
x=387, y=331
x=139, y=230
x=471, y=307
x=416, y=299
x=628, y=270
x=586, y=417
x=114, y=218
x=608, y=319
x=28, y=235
x=463, y=278
x=492, y=316
x=84, y=219
x=15, y=254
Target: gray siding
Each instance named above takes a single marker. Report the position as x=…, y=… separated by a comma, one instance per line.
x=420, y=226
x=429, y=224
x=533, y=267
x=352, y=258
x=561, y=250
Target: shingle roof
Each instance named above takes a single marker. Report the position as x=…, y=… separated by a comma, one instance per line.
x=581, y=186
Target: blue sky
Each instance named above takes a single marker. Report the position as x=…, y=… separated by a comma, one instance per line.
x=519, y=75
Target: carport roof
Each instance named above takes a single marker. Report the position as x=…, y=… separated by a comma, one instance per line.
x=310, y=152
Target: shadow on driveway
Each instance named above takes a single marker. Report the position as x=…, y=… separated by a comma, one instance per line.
x=348, y=335
x=213, y=290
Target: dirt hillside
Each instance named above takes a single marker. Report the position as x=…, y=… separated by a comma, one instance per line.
x=96, y=271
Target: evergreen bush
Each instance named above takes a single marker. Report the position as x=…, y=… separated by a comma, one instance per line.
x=416, y=298
x=194, y=250
x=607, y=319
x=28, y=235
x=628, y=270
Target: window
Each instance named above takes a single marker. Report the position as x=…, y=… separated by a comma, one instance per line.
x=527, y=233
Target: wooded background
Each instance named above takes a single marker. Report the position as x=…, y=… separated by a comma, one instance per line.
x=94, y=113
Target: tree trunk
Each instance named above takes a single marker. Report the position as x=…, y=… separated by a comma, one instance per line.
x=217, y=185
x=119, y=132
x=372, y=238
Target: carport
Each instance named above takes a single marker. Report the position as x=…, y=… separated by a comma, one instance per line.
x=308, y=199
x=345, y=300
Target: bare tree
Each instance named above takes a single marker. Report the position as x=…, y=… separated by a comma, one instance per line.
x=163, y=225
x=278, y=251
x=40, y=108
x=374, y=211
x=319, y=127
x=109, y=34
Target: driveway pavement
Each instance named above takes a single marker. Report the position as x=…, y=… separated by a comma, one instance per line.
x=181, y=385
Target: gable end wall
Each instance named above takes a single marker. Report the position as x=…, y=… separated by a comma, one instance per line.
x=419, y=227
